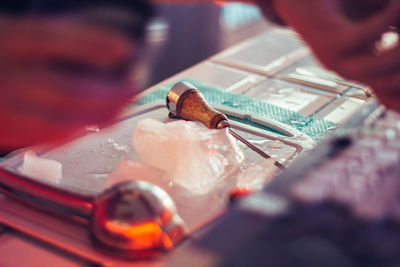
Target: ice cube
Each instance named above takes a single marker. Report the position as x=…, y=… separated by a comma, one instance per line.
x=256, y=175
x=191, y=155
x=197, y=166
x=193, y=208
x=44, y=170
x=129, y=170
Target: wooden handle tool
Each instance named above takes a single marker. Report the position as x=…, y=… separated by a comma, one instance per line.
x=185, y=101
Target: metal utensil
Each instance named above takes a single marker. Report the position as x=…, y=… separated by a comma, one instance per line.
x=132, y=219
x=185, y=101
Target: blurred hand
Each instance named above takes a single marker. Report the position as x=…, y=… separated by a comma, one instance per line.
x=348, y=47
x=361, y=9
x=56, y=76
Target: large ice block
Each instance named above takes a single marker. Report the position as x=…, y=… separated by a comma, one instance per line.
x=193, y=156
x=130, y=169
x=197, y=166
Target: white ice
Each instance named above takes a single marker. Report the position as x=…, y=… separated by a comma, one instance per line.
x=254, y=176
x=130, y=169
x=193, y=156
x=45, y=170
x=197, y=166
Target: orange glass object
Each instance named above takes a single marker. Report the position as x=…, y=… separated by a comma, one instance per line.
x=166, y=241
x=238, y=193
x=145, y=236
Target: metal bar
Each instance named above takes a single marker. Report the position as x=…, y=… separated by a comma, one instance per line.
x=255, y=149
x=12, y=183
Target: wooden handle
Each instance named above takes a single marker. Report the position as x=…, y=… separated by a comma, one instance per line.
x=192, y=106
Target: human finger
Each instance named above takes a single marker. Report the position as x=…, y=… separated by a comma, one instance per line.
x=382, y=82
x=341, y=44
x=370, y=30
x=389, y=96
x=369, y=65
x=358, y=10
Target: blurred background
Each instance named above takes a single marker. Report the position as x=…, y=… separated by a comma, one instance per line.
x=183, y=35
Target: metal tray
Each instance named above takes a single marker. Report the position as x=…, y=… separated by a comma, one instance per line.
x=88, y=160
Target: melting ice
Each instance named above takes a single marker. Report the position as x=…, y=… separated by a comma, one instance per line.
x=45, y=170
x=193, y=156
x=195, y=165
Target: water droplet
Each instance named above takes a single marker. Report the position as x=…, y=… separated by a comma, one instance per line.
x=298, y=123
x=286, y=91
x=390, y=134
x=100, y=175
x=275, y=145
x=92, y=128
x=243, y=168
x=105, y=169
x=233, y=103
x=122, y=148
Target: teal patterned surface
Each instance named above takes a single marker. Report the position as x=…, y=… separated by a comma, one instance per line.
x=314, y=127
